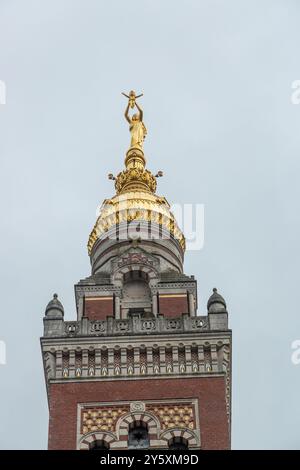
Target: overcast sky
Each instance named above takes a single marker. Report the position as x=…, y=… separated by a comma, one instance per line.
x=217, y=80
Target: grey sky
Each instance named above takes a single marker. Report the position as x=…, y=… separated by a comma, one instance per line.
x=217, y=81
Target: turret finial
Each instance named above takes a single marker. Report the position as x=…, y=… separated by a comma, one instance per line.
x=135, y=177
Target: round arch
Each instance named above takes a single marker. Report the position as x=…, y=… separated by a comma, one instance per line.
x=124, y=422
x=151, y=420
x=88, y=439
x=190, y=436
x=149, y=271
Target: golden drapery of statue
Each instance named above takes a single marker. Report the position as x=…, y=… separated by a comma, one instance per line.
x=137, y=128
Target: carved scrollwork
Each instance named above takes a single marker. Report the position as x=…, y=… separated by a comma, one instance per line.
x=198, y=323
x=149, y=325
x=122, y=326
x=135, y=258
x=173, y=325
x=98, y=327
x=71, y=328
x=137, y=406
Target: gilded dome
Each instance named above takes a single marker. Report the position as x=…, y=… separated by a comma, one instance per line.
x=135, y=206
x=135, y=201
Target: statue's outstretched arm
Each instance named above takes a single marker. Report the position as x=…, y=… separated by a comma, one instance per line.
x=126, y=114
x=140, y=111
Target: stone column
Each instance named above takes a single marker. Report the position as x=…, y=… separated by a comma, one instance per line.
x=201, y=358
x=149, y=360
x=97, y=362
x=85, y=362
x=59, y=364
x=175, y=360
x=191, y=304
x=123, y=361
x=154, y=304
x=72, y=364
x=136, y=352
x=110, y=361
x=162, y=355
x=117, y=307
x=80, y=308
x=188, y=359
x=214, y=358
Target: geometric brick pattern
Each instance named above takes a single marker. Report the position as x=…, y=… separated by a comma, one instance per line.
x=101, y=419
x=111, y=424
x=174, y=416
x=104, y=418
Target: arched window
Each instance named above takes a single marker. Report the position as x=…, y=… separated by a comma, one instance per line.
x=178, y=443
x=99, y=445
x=136, y=294
x=138, y=437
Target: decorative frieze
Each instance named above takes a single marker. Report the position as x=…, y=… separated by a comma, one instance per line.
x=101, y=418
x=170, y=415
x=140, y=360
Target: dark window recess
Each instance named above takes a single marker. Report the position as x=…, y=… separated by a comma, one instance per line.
x=139, y=311
x=138, y=437
x=99, y=445
x=178, y=443
x=136, y=311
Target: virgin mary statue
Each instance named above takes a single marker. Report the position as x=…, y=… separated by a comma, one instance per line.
x=137, y=128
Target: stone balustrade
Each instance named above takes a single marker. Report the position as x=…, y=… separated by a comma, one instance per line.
x=131, y=326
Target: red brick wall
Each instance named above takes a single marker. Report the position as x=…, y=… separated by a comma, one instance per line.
x=173, y=305
x=98, y=308
x=210, y=392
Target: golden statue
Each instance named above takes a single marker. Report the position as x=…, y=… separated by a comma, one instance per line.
x=136, y=126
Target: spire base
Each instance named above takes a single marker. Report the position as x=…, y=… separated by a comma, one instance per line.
x=135, y=177
x=135, y=158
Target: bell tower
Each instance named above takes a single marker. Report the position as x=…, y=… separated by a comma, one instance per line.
x=139, y=367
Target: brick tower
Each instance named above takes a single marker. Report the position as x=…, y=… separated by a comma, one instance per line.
x=138, y=368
